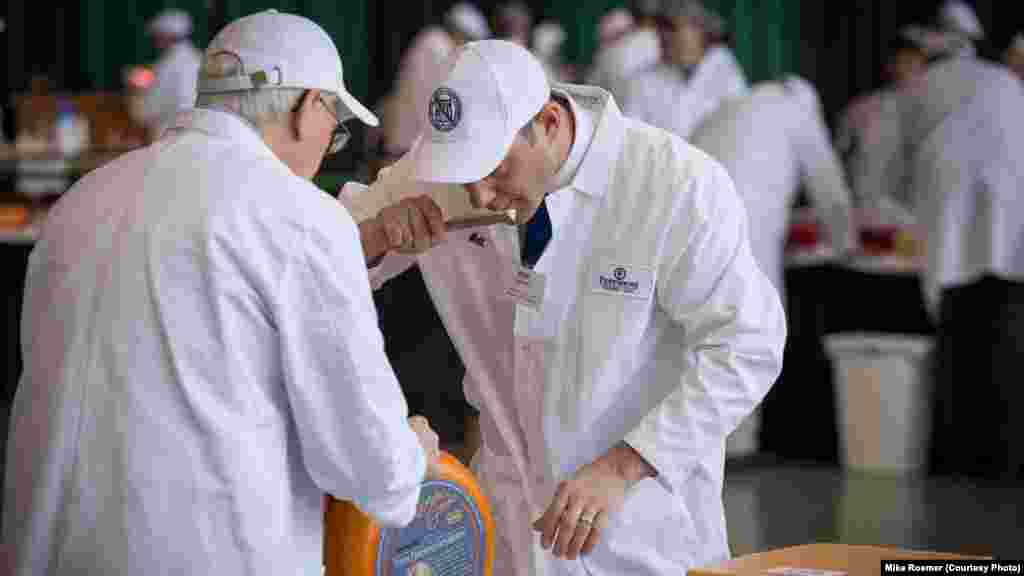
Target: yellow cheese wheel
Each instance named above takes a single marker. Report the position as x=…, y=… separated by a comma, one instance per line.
x=453, y=529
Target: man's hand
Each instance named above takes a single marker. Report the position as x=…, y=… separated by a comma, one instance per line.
x=411, y=226
x=581, y=508
x=429, y=441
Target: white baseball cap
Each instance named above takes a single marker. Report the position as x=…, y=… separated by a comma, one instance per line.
x=280, y=50
x=494, y=88
x=171, y=23
x=468, y=19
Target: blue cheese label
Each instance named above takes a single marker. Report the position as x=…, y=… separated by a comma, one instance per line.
x=446, y=538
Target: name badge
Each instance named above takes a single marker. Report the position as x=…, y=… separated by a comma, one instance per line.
x=527, y=288
x=623, y=280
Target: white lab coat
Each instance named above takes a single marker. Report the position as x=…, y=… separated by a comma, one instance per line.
x=853, y=132
x=664, y=98
x=671, y=369
x=202, y=363
x=176, y=75
x=967, y=209
x=769, y=144
x=968, y=183
x=618, y=63
x=904, y=121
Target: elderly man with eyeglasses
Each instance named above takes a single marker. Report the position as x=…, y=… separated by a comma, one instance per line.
x=202, y=356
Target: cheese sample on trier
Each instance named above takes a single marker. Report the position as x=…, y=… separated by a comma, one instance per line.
x=396, y=182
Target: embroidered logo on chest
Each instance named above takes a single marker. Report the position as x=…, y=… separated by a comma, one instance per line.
x=624, y=280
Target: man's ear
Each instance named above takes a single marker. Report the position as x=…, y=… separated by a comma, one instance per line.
x=304, y=118
x=549, y=120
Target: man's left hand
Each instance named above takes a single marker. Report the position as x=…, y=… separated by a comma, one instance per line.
x=582, y=506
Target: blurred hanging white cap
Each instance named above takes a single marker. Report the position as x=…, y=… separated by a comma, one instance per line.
x=171, y=23
x=468, y=19
x=956, y=16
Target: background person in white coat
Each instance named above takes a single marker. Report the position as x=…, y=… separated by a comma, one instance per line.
x=907, y=57
x=958, y=18
x=770, y=143
x=174, y=74
x=514, y=22
x=628, y=46
x=423, y=66
x=698, y=71
x=1013, y=56
x=202, y=357
x=880, y=175
x=548, y=39
x=960, y=140
x=610, y=363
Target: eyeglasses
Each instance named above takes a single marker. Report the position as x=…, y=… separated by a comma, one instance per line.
x=340, y=135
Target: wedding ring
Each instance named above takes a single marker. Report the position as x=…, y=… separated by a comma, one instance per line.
x=586, y=519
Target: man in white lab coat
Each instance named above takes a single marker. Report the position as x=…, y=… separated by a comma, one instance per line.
x=770, y=142
x=698, y=71
x=959, y=136
x=908, y=55
x=514, y=22
x=202, y=357
x=629, y=46
x=958, y=18
x=610, y=364
x=174, y=74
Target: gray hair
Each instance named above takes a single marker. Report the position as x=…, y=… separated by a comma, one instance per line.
x=261, y=107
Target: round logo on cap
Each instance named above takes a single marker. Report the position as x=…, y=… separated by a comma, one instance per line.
x=445, y=110
x=619, y=273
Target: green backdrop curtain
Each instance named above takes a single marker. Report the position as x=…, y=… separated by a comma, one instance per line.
x=113, y=35
x=113, y=32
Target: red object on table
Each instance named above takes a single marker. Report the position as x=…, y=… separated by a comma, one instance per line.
x=803, y=235
x=879, y=239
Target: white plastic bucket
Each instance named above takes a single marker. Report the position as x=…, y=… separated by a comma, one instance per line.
x=883, y=394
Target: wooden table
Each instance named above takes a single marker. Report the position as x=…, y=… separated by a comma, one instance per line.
x=853, y=560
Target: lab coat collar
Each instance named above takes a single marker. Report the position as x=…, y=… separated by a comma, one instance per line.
x=224, y=124
x=600, y=160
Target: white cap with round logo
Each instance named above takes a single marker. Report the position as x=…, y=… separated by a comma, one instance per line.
x=278, y=50
x=495, y=87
